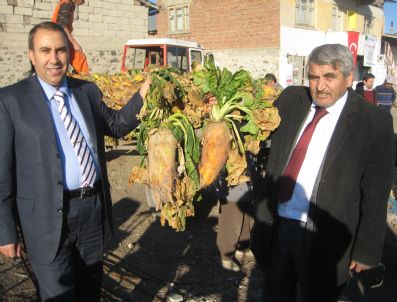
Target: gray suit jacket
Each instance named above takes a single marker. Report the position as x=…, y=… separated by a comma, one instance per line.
x=348, y=205
x=31, y=181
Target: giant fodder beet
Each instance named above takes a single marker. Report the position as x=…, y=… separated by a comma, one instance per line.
x=216, y=146
x=162, y=147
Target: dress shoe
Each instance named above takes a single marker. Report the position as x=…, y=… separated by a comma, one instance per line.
x=230, y=265
x=242, y=255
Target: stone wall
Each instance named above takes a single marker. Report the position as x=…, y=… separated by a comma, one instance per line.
x=258, y=61
x=100, y=27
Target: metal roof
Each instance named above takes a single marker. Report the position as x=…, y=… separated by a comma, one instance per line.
x=149, y=4
x=162, y=41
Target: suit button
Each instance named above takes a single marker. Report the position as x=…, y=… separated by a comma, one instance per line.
x=60, y=182
x=58, y=155
x=60, y=211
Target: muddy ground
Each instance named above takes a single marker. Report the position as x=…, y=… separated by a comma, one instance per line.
x=147, y=262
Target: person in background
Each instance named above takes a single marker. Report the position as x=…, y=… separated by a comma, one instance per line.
x=366, y=90
x=321, y=211
x=53, y=176
x=64, y=15
x=271, y=81
x=385, y=94
x=234, y=223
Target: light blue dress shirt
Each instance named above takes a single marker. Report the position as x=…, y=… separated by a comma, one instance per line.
x=71, y=170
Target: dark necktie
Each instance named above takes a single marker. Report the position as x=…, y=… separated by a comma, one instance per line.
x=288, y=181
x=77, y=139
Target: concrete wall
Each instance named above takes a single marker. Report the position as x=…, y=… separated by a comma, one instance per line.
x=101, y=28
x=258, y=61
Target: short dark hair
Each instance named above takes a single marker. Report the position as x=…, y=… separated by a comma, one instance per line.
x=270, y=77
x=368, y=76
x=45, y=25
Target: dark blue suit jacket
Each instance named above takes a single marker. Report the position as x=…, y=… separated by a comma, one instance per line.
x=31, y=180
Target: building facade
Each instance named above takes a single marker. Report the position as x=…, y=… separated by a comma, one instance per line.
x=276, y=35
x=241, y=34
x=356, y=24
x=101, y=27
x=389, y=51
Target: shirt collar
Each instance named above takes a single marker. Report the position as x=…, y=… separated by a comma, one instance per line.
x=336, y=108
x=50, y=90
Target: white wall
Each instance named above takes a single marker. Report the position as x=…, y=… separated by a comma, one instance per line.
x=300, y=42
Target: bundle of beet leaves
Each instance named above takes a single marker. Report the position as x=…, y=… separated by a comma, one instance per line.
x=185, y=144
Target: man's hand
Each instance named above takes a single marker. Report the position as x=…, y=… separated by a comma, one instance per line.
x=77, y=47
x=358, y=267
x=12, y=250
x=209, y=103
x=145, y=87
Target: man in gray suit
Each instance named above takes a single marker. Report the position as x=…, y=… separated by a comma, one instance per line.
x=321, y=214
x=53, y=176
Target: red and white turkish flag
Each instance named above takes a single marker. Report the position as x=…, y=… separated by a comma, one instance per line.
x=352, y=41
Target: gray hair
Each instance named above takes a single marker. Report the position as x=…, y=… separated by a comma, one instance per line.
x=336, y=55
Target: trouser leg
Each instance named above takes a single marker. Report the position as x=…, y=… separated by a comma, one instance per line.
x=55, y=280
x=280, y=278
x=76, y=272
x=88, y=280
x=88, y=256
x=290, y=270
x=245, y=234
x=230, y=221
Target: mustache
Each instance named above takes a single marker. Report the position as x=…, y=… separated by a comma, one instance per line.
x=321, y=91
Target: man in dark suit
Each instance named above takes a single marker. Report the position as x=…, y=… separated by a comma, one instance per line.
x=53, y=171
x=321, y=214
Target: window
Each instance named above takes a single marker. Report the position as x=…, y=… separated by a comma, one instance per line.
x=368, y=24
x=337, y=18
x=178, y=19
x=298, y=69
x=177, y=58
x=195, y=56
x=304, y=13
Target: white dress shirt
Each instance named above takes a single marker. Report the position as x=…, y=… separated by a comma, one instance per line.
x=297, y=207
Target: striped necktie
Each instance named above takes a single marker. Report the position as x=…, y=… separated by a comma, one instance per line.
x=77, y=139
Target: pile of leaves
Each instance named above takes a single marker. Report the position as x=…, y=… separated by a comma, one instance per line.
x=117, y=88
